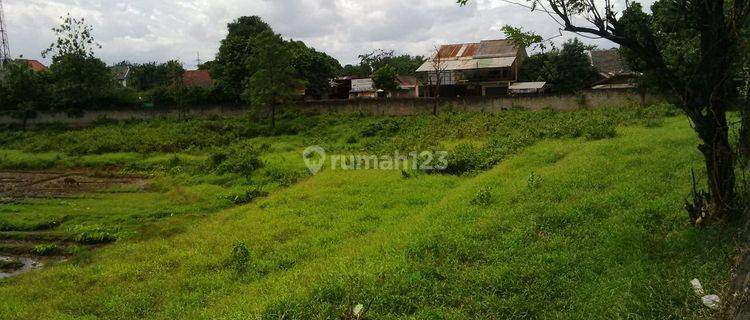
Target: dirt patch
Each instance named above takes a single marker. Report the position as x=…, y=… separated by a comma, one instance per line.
x=19, y=185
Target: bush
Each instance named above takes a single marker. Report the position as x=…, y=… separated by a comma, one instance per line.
x=483, y=197
x=240, y=158
x=463, y=159
x=240, y=258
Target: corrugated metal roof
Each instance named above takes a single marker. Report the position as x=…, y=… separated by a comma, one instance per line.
x=453, y=65
x=527, y=85
x=496, y=48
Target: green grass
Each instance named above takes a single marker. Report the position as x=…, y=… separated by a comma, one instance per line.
x=565, y=229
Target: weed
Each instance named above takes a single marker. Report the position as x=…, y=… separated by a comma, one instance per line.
x=46, y=249
x=483, y=197
x=240, y=258
x=534, y=181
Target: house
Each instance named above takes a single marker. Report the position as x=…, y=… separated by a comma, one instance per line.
x=519, y=88
x=34, y=65
x=198, y=78
x=407, y=87
x=487, y=68
x=614, y=72
x=121, y=74
x=363, y=89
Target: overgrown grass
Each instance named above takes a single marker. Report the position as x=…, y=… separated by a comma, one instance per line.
x=572, y=228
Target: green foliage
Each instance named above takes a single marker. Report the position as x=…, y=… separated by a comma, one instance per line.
x=74, y=38
x=371, y=62
x=241, y=158
x=483, y=197
x=385, y=78
x=46, y=249
x=567, y=70
x=314, y=67
x=94, y=235
x=230, y=69
x=274, y=80
x=245, y=196
x=523, y=39
x=240, y=258
x=24, y=92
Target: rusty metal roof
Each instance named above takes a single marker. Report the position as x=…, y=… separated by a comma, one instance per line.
x=485, y=54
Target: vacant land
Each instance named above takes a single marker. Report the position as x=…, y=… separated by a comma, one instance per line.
x=539, y=215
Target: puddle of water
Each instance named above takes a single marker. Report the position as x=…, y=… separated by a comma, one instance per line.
x=28, y=265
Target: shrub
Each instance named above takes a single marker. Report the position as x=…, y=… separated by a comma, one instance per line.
x=240, y=158
x=483, y=197
x=464, y=158
x=240, y=259
x=245, y=196
x=94, y=235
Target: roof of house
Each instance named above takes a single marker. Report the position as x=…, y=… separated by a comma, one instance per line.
x=120, y=73
x=527, y=85
x=487, y=54
x=198, y=78
x=34, y=65
x=609, y=63
x=406, y=82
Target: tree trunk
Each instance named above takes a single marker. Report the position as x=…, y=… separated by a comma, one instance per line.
x=273, y=115
x=719, y=168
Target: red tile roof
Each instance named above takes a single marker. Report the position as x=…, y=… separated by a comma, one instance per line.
x=34, y=65
x=198, y=78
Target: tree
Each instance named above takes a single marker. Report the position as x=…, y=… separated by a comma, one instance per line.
x=316, y=68
x=435, y=77
x=567, y=70
x=370, y=62
x=230, y=69
x=24, y=92
x=274, y=80
x=523, y=39
x=385, y=78
x=691, y=46
x=79, y=77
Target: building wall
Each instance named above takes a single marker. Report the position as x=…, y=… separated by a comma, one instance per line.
x=391, y=107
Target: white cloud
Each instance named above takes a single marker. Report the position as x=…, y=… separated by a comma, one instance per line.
x=146, y=30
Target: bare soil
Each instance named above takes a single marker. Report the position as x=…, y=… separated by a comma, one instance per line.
x=19, y=185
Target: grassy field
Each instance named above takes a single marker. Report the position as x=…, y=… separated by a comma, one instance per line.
x=544, y=215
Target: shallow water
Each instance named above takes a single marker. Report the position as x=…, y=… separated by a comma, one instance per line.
x=28, y=265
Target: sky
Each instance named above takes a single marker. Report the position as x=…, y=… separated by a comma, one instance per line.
x=150, y=30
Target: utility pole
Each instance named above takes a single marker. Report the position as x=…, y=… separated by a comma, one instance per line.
x=4, y=46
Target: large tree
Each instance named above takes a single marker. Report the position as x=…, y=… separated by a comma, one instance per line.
x=315, y=67
x=79, y=77
x=229, y=69
x=692, y=47
x=24, y=92
x=274, y=80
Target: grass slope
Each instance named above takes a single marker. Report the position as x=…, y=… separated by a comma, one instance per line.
x=567, y=229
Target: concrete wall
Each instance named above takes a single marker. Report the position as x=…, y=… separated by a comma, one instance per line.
x=393, y=107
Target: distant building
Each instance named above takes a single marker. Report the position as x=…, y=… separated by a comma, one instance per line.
x=34, y=65
x=519, y=88
x=121, y=74
x=407, y=87
x=363, y=89
x=487, y=68
x=198, y=78
x=613, y=70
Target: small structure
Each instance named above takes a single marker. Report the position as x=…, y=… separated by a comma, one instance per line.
x=363, y=89
x=121, y=74
x=614, y=72
x=527, y=88
x=486, y=68
x=407, y=87
x=198, y=78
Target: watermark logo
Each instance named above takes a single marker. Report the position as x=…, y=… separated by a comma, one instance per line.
x=316, y=159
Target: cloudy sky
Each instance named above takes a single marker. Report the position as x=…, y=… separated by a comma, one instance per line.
x=148, y=30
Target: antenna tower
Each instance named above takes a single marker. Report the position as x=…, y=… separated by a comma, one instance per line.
x=4, y=46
